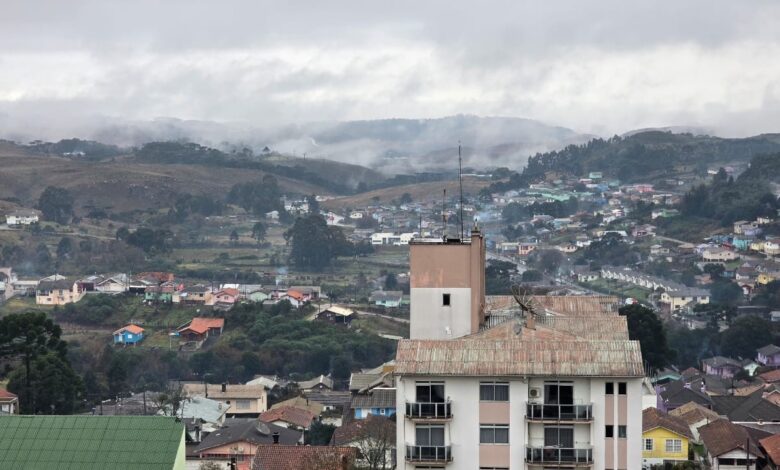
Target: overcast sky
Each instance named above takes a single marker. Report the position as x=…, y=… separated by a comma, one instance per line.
x=594, y=66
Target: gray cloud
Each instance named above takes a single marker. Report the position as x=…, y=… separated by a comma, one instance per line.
x=602, y=66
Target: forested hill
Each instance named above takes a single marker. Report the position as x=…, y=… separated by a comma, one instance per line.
x=645, y=156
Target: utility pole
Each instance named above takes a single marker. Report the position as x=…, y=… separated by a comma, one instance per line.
x=460, y=182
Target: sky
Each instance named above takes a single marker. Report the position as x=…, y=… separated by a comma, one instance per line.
x=596, y=66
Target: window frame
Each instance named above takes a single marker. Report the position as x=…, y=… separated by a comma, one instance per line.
x=493, y=428
x=446, y=300
x=648, y=441
x=622, y=388
x=609, y=388
x=493, y=386
x=609, y=431
x=674, y=446
x=622, y=431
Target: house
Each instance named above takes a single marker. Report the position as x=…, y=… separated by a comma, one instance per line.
x=129, y=335
x=127, y=442
x=58, y=292
x=200, y=328
x=303, y=403
x=244, y=400
x=752, y=408
x=318, y=383
x=374, y=437
x=162, y=293
x=286, y=457
x=224, y=299
x=114, y=284
x=769, y=355
x=694, y=416
x=387, y=299
x=338, y=315
x=665, y=438
x=308, y=293
x=289, y=417
x=376, y=402
x=684, y=297
x=258, y=295
x=240, y=438
x=198, y=294
x=21, y=217
x=770, y=377
x=721, y=366
x=676, y=394
x=731, y=446
x=9, y=403
x=718, y=254
x=210, y=413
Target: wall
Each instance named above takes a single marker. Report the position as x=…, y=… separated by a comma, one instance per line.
x=431, y=320
x=659, y=437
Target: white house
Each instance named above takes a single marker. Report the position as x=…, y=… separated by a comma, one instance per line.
x=23, y=217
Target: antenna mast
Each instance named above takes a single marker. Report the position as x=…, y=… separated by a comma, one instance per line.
x=444, y=215
x=460, y=182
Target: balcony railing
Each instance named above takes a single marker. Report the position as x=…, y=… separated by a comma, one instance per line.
x=441, y=410
x=559, y=455
x=543, y=412
x=428, y=453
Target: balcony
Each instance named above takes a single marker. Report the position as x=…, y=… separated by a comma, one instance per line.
x=558, y=413
x=441, y=411
x=559, y=456
x=429, y=454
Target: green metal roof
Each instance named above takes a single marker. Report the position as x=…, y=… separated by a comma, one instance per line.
x=89, y=442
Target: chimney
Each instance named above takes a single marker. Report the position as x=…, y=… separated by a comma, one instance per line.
x=224, y=387
x=197, y=433
x=276, y=437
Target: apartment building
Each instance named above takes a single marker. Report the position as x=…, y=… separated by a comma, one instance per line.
x=557, y=387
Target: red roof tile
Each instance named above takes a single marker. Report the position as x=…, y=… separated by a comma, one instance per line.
x=771, y=445
x=6, y=394
x=289, y=414
x=134, y=329
x=201, y=325
x=281, y=457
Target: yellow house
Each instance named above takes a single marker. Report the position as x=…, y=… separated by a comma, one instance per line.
x=664, y=438
x=766, y=278
x=59, y=291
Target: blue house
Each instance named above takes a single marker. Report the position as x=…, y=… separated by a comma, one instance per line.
x=388, y=299
x=377, y=401
x=129, y=335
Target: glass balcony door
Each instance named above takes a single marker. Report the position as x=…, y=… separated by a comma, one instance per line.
x=562, y=395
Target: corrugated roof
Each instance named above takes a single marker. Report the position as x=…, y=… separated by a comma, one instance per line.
x=653, y=418
x=376, y=398
x=288, y=414
x=89, y=442
x=281, y=457
x=772, y=447
x=134, y=329
x=571, y=305
x=519, y=356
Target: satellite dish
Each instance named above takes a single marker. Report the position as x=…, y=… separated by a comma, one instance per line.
x=262, y=428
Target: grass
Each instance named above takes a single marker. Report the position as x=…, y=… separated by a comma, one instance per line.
x=379, y=325
x=21, y=305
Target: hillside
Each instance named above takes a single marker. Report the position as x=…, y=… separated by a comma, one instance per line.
x=648, y=156
x=121, y=184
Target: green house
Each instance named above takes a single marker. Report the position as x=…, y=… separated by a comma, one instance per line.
x=91, y=442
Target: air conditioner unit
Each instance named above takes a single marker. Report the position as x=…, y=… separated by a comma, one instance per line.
x=534, y=392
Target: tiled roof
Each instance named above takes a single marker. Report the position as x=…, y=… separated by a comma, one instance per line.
x=377, y=427
x=571, y=305
x=303, y=403
x=519, y=356
x=722, y=436
x=322, y=379
x=6, y=394
x=134, y=329
x=376, y=398
x=693, y=413
x=282, y=457
x=201, y=325
x=247, y=430
x=720, y=361
x=769, y=350
x=231, y=391
x=358, y=380
x=771, y=446
x=746, y=408
x=89, y=442
x=770, y=377
x=297, y=416
x=653, y=418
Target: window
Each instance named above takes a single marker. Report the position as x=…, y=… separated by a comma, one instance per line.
x=430, y=392
x=494, y=434
x=622, y=432
x=609, y=431
x=648, y=444
x=429, y=435
x=621, y=388
x=494, y=391
x=610, y=388
x=445, y=300
x=559, y=436
x=674, y=445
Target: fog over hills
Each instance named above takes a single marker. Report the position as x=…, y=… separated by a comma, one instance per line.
x=390, y=145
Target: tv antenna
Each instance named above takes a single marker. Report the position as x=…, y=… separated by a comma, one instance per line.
x=444, y=215
x=460, y=183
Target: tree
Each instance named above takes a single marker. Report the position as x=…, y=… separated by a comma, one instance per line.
x=645, y=327
x=391, y=281
x=234, y=236
x=171, y=400
x=314, y=244
x=26, y=337
x=320, y=434
x=259, y=231
x=531, y=275
x=376, y=442
x=64, y=247
x=549, y=261
x=314, y=204
x=49, y=387
x=406, y=198
x=122, y=233
x=746, y=334
x=56, y=204
x=725, y=292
